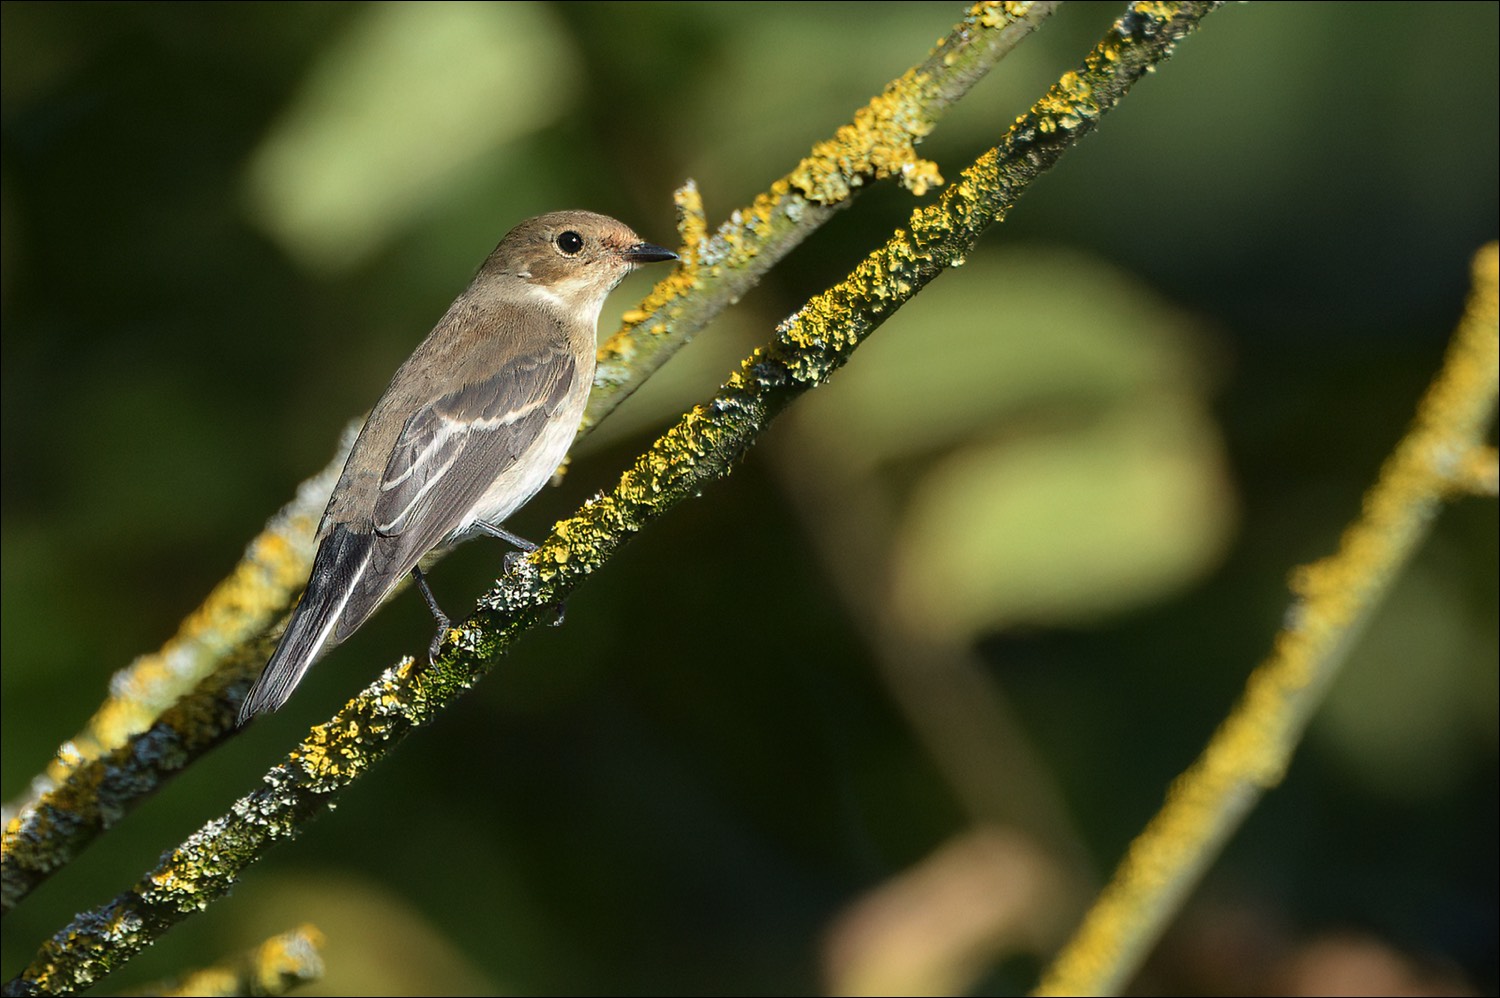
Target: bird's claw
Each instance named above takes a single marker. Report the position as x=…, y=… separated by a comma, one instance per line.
x=437, y=640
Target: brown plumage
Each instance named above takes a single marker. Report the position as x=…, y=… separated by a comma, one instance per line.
x=470, y=427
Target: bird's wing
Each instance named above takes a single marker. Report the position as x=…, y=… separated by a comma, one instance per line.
x=448, y=455
x=453, y=449
x=341, y=564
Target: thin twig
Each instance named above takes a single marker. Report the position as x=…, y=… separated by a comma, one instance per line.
x=1335, y=598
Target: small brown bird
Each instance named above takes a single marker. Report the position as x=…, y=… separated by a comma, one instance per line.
x=471, y=426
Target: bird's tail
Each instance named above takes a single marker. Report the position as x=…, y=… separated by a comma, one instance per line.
x=325, y=616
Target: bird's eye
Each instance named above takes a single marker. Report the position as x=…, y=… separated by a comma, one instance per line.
x=570, y=243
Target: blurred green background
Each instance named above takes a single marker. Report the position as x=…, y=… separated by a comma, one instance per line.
x=955, y=623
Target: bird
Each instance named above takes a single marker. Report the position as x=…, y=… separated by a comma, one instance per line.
x=471, y=426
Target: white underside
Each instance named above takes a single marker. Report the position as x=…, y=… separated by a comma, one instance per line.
x=525, y=478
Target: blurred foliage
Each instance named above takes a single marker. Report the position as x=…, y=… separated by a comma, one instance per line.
x=1086, y=461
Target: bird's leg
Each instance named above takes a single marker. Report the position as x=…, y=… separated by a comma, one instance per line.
x=526, y=547
x=514, y=540
x=437, y=612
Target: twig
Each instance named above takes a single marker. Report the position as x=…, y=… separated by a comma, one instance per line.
x=1335, y=598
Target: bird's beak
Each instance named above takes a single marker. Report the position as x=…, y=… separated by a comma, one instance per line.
x=648, y=253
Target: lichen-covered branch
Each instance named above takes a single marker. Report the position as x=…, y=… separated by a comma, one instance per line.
x=239, y=609
x=701, y=448
x=274, y=967
x=879, y=143
x=717, y=269
x=99, y=792
x=1334, y=597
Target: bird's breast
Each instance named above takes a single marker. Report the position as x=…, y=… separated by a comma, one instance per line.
x=525, y=476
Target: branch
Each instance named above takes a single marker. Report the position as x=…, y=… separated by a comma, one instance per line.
x=878, y=143
x=701, y=448
x=45, y=831
x=1335, y=598
x=239, y=609
x=274, y=967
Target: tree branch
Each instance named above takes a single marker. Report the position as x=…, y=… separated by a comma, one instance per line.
x=701, y=448
x=1335, y=597
x=59, y=818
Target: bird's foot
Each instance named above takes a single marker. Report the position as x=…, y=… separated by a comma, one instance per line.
x=444, y=624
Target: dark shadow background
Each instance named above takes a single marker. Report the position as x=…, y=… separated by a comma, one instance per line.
x=681, y=789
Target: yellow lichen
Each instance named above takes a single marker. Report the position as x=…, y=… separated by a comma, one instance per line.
x=1156, y=11
x=879, y=143
x=1252, y=748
